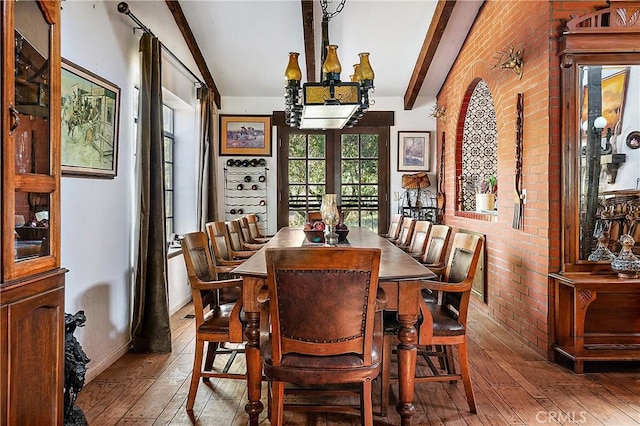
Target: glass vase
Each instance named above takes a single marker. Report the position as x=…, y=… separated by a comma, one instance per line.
x=330, y=217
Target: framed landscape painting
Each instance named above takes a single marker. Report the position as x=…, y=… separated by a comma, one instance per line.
x=245, y=135
x=90, y=121
x=413, y=151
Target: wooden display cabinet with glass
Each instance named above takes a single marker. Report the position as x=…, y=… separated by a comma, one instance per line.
x=32, y=285
x=593, y=311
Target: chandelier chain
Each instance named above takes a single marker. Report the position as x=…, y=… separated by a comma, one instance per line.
x=325, y=5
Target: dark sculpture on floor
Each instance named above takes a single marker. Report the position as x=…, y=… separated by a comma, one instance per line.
x=75, y=367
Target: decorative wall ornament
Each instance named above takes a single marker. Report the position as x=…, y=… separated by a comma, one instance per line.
x=439, y=112
x=518, y=195
x=513, y=60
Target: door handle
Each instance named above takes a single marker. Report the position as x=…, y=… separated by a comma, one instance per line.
x=15, y=116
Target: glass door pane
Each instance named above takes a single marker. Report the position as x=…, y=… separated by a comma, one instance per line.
x=31, y=130
x=359, y=180
x=307, y=175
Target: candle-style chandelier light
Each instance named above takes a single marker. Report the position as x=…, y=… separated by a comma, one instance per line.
x=331, y=104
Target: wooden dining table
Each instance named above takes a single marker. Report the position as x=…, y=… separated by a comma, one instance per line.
x=399, y=277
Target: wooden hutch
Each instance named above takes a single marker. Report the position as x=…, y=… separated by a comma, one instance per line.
x=594, y=314
x=32, y=286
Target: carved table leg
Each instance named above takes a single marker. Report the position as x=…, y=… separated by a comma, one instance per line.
x=254, y=367
x=408, y=309
x=407, y=352
x=250, y=289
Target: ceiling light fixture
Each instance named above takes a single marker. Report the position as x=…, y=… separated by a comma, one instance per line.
x=331, y=104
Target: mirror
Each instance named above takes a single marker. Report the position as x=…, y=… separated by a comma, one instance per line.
x=600, y=132
x=609, y=141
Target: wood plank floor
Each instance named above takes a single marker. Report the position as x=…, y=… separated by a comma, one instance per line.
x=513, y=386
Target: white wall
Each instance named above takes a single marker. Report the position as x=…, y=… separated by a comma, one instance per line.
x=98, y=216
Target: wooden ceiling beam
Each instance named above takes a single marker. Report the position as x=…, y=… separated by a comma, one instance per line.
x=441, y=16
x=185, y=29
x=309, y=39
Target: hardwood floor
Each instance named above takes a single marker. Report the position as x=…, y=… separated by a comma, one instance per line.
x=513, y=386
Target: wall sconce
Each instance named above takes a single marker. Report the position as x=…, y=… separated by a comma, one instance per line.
x=439, y=112
x=514, y=61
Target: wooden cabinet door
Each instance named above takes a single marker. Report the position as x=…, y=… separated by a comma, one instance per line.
x=30, y=134
x=35, y=344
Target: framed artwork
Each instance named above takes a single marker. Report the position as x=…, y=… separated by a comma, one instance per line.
x=90, y=123
x=413, y=151
x=245, y=135
x=614, y=87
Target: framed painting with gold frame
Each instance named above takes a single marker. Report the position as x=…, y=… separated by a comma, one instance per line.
x=245, y=135
x=614, y=88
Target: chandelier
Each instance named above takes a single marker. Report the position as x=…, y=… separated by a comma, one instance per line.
x=331, y=104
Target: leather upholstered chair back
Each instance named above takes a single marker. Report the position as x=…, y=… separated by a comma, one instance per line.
x=436, y=250
x=322, y=304
x=218, y=237
x=419, y=239
x=394, y=227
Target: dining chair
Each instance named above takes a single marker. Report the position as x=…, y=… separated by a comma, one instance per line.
x=443, y=323
x=394, y=227
x=217, y=232
x=329, y=341
x=254, y=227
x=419, y=239
x=247, y=237
x=406, y=231
x=237, y=248
x=436, y=250
x=217, y=321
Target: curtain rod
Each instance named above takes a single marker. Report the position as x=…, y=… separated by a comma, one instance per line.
x=124, y=9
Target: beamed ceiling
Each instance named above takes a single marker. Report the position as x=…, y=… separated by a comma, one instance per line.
x=241, y=47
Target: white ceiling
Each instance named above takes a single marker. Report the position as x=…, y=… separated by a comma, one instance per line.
x=246, y=42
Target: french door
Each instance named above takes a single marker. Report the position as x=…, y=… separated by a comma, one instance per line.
x=352, y=163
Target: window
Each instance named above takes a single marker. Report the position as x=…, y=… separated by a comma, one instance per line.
x=352, y=163
x=169, y=142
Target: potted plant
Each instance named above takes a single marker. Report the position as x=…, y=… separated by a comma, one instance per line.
x=486, y=190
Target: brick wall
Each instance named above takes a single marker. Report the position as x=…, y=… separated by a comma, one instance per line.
x=518, y=261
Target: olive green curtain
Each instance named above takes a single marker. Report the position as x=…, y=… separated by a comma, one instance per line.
x=207, y=210
x=150, y=327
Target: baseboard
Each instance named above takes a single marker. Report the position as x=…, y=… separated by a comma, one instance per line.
x=180, y=305
x=94, y=371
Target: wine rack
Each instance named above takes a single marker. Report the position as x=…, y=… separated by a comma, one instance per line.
x=245, y=190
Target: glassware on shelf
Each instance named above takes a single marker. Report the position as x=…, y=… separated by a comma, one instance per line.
x=626, y=264
x=22, y=156
x=330, y=217
x=602, y=252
